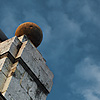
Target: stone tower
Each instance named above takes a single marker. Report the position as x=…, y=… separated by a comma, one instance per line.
x=24, y=74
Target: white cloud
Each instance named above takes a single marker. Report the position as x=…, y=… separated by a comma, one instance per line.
x=88, y=70
x=88, y=94
x=87, y=79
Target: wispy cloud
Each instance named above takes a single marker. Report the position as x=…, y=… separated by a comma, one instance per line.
x=86, y=79
x=71, y=43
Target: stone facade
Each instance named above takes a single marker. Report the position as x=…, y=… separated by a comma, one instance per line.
x=24, y=74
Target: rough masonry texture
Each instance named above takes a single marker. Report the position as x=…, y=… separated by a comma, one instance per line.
x=24, y=74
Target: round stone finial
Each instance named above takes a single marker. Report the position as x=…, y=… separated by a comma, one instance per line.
x=32, y=31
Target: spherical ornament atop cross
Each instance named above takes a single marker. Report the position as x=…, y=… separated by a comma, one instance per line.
x=32, y=31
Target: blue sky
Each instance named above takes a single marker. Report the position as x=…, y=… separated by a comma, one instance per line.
x=71, y=43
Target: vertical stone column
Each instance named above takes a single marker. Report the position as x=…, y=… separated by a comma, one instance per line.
x=24, y=74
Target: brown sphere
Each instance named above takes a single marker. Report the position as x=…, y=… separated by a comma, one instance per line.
x=32, y=31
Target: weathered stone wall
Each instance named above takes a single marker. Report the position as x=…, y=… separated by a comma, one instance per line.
x=23, y=71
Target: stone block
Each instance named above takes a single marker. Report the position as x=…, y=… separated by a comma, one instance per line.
x=10, y=45
x=15, y=91
x=22, y=86
x=34, y=60
x=6, y=84
x=2, y=80
x=23, y=38
x=18, y=82
x=37, y=55
x=5, y=65
x=14, y=72
x=27, y=83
